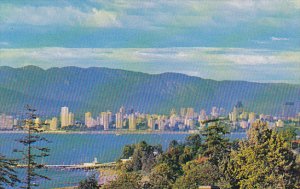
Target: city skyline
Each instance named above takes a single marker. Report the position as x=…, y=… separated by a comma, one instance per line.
x=223, y=40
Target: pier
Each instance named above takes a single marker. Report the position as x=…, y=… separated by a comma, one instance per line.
x=87, y=166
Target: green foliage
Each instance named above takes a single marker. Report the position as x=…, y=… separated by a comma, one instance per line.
x=31, y=151
x=288, y=133
x=162, y=177
x=195, y=142
x=263, y=161
x=89, y=183
x=130, y=180
x=8, y=175
x=144, y=156
x=216, y=145
x=127, y=151
x=196, y=174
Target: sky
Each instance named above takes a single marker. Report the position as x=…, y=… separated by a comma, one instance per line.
x=223, y=40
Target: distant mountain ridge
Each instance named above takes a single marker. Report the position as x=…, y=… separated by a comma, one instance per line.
x=98, y=89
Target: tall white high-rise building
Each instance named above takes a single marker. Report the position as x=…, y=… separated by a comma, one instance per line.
x=53, y=124
x=105, y=116
x=119, y=120
x=64, y=116
x=71, y=118
x=132, y=122
x=88, y=119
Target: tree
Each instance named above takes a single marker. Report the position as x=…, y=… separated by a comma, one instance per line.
x=127, y=151
x=144, y=156
x=194, y=141
x=130, y=180
x=265, y=160
x=32, y=152
x=216, y=144
x=162, y=177
x=8, y=175
x=196, y=174
x=89, y=183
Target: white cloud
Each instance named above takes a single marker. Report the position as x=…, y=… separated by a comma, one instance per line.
x=279, y=39
x=70, y=16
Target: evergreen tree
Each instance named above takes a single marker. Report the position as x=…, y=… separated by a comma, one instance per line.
x=216, y=145
x=265, y=160
x=31, y=151
x=8, y=175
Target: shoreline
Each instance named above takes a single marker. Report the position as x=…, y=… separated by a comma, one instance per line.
x=104, y=132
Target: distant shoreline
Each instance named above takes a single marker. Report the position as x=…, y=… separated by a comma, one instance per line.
x=103, y=132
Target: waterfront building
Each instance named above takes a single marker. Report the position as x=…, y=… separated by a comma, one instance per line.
x=88, y=120
x=105, y=116
x=53, y=124
x=190, y=123
x=161, y=123
x=233, y=115
x=109, y=114
x=132, y=122
x=190, y=113
x=182, y=112
x=173, y=112
x=173, y=120
x=6, y=122
x=71, y=119
x=16, y=122
x=119, y=120
x=64, y=116
x=37, y=121
x=151, y=123
x=214, y=112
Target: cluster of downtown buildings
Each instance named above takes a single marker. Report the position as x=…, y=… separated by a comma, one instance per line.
x=185, y=119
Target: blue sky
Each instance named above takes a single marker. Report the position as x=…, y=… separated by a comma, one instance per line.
x=223, y=40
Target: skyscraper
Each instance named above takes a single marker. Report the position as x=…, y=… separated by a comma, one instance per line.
x=151, y=123
x=105, y=119
x=88, y=119
x=64, y=116
x=119, y=120
x=132, y=122
x=53, y=124
x=71, y=119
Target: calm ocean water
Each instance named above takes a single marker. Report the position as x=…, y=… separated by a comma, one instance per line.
x=79, y=148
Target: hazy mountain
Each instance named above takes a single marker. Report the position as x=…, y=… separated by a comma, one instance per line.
x=101, y=89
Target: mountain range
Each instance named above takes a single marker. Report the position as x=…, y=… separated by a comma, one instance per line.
x=98, y=89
